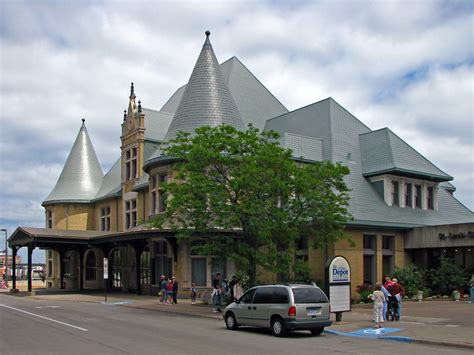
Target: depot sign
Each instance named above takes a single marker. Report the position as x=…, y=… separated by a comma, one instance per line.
x=339, y=270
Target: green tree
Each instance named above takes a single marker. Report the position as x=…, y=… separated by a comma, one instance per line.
x=411, y=278
x=245, y=184
x=447, y=278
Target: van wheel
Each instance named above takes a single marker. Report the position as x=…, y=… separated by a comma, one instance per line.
x=230, y=321
x=278, y=327
x=317, y=331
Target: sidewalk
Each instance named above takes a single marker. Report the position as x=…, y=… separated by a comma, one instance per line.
x=445, y=323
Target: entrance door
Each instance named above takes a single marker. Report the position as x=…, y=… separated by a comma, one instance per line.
x=116, y=269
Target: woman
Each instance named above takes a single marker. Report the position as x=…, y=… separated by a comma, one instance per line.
x=169, y=291
x=379, y=298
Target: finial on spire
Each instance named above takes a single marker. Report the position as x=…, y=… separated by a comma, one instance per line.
x=208, y=33
x=132, y=91
x=83, y=120
x=124, y=115
x=139, y=106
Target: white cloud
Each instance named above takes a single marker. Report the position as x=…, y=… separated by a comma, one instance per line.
x=405, y=65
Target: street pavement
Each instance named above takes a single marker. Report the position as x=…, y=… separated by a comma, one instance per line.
x=140, y=325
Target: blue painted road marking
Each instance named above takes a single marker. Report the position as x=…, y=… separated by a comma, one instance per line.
x=371, y=333
x=116, y=303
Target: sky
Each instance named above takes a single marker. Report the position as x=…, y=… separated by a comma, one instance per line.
x=406, y=65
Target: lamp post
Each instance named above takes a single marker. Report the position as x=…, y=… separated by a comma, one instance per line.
x=6, y=253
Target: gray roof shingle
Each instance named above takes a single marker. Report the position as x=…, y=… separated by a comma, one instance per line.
x=206, y=100
x=82, y=175
x=385, y=152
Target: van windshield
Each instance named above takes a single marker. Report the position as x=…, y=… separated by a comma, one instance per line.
x=309, y=295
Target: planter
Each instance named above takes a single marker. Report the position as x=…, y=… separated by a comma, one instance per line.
x=456, y=296
x=419, y=296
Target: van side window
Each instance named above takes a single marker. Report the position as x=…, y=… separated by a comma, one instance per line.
x=309, y=295
x=280, y=295
x=247, y=296
x=264, y=295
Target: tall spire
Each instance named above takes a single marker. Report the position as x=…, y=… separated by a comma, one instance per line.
x=207, y=100
x=82, y=174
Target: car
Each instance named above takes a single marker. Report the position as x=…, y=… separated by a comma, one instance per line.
x=282, y=308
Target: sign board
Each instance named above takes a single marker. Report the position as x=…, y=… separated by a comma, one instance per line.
x=106, y=268
x=338, y=298
x=339, y=270
x=339, y=282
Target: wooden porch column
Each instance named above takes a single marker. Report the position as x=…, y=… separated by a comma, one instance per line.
x=14, y=251
x=30, y=268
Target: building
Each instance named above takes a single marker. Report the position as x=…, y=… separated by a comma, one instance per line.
x=400, y=201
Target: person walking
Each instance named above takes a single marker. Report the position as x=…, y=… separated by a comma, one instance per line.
x=175, y=290
x=217, y=293
x=163, y=283
x=193, y=293
x=385, y=303
x=398, y=291
x=231, y=287
x=237, y=291
x=388, y=282
x=379, y=298
x=169, y=292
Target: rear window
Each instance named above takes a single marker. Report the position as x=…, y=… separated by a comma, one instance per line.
x=309, y=295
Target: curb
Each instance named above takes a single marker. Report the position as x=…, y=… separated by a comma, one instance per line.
x=443, y=343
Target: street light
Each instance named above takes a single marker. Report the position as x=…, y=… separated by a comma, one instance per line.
x=6, y=253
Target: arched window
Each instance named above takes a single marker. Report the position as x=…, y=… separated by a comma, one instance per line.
x=145, y=267
x=91, y=268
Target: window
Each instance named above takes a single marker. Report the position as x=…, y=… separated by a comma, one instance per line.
x=145, y=267
x=117, y=268
x=90, y=267
x=105, y=219
x=158, y=195
x=49, y=219
x=387, y=255
x=309, y=295
x=130, y=213
x=369, y=259
x=280, y=295
x=417, y=196
x=264, y=295
x=248, y=296
x=199, y=271
x=430, y=198
x=218, y=266
x=408, y=195
x=394, y=193
x=131, y=163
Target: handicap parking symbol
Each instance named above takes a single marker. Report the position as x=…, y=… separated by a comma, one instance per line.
x=374, y=332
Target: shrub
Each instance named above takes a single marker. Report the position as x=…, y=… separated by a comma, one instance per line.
x=411, y=278
x=448, y=277
x=364, y=291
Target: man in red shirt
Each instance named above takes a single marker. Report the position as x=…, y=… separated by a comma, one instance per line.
x=398, y=291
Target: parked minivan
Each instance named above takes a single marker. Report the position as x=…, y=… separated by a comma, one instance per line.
x=281, y=307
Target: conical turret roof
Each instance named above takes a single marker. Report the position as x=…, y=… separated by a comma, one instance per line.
x=207, y=100
x=82, y=174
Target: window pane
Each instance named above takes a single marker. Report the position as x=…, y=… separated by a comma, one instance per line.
x=280, y=295
x=247, y=296
x=199, y=271
x=309, y=295
x=264, y=295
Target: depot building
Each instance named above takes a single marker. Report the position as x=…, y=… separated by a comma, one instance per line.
x=403, y=205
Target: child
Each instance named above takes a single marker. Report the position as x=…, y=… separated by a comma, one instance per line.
x=193, y=293
x=379, y=298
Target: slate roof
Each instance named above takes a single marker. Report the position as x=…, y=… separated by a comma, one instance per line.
x=82, y=175
x=206, y=99
x=385, y=152
x=156, y=124
x=340, y=133
x=111, y=184
x=255, y=103
x=303, y=147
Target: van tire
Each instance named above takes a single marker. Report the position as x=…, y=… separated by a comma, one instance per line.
x=278, y=327
x=317, y=331
x=231, y=321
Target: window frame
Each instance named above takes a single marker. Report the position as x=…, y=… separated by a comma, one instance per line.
x=105, y=224
x=131, y=213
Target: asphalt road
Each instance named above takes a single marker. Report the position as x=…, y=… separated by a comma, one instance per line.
x=30, y=326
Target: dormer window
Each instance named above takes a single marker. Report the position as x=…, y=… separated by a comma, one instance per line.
x=417, y=196
x=408, y=195
x=430, y=198
x=131, y=163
